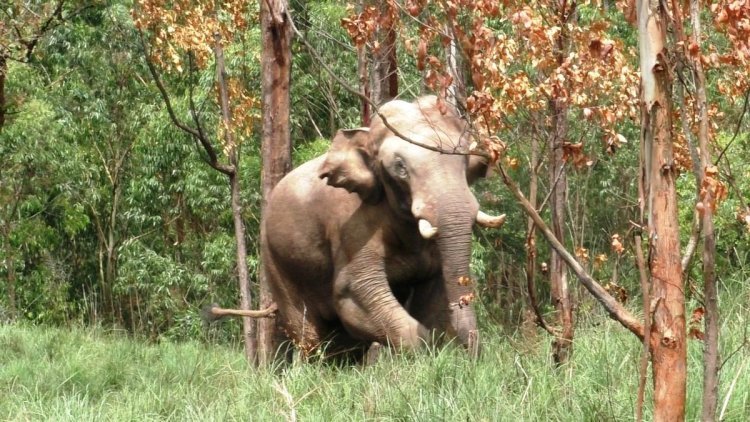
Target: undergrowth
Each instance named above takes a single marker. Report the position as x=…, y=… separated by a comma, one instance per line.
x=93, y=374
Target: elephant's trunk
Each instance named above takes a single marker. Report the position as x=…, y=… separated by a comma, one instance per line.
x=455, y=221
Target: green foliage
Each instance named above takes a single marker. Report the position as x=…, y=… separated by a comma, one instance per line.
x=310, y=150
x=160, y=292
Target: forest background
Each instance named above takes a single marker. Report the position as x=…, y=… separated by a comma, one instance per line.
x=114, y=216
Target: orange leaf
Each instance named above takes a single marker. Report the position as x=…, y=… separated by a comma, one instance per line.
x=617, y=245
x=697, y=315
x=694, y=49
x=696, y=333
x=464, y=281
x=466, y=300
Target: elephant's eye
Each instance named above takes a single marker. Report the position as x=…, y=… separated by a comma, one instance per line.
x=399, y=167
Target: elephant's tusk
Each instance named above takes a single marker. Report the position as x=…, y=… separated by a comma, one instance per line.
x=426, y=229
x=490, y=221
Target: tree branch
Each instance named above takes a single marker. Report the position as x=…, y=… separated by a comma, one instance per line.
x=213, y=312
x=213, y=160
x=736, y=129
x=365, y=98
x=30, y=45
x=615, y=310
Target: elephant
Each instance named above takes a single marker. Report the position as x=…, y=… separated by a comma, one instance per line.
x=371, y=242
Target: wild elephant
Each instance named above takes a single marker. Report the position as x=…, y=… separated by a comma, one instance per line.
x=371, y=241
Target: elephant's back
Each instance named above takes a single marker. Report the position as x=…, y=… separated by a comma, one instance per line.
x=297, y=244
x=297, y=185
x=303, y=197
x=291, y=216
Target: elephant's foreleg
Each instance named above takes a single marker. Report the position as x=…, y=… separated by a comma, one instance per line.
x=431, y=306
x=369, y=310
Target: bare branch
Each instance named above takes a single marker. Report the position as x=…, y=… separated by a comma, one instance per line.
x=697, y=228
x=30, y=45
x=736, y=129
x=213, y=160
x=213, y=312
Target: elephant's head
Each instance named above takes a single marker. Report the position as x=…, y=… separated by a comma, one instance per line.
x=427, y=187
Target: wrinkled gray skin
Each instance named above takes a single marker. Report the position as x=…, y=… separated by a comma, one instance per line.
x=345, y=259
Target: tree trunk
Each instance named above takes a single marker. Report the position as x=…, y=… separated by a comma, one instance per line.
x=711, y=338
x=110, y=271
x=559, y=192
x=667, y=336
x=3, y=72
x=531, y=249
x=384, y=64
x=248, y=324
x=10, y=267
x=557, y=269
x=111, y=243
x=456, y=92
x=276, y=149
x=364, y=85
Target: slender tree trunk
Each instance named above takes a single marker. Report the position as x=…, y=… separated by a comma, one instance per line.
x=667, y=336
x=364, y=85
x=276, y=68
x=111, y=244
x=456, y=93
x=332, y=107
x=559, y=186
x=106, y=266
x=557, y=270
x=248, y=324
x=531, y=249
x=109, y=279
x=3, y=73
x=711, y=339
x=384, y=63
x=362, y=75
x=10, y=267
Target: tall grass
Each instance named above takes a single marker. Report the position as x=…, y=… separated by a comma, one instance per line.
x=90, y=374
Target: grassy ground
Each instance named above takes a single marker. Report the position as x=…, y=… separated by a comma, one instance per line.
x=83, y=374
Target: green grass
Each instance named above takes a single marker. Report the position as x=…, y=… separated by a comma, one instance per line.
x=81, y=374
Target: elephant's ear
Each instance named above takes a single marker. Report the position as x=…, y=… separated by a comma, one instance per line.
x=349, y=164
x=477, y=167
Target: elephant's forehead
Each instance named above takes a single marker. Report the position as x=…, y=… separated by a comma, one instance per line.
x=421, y=122
x=418, y=156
